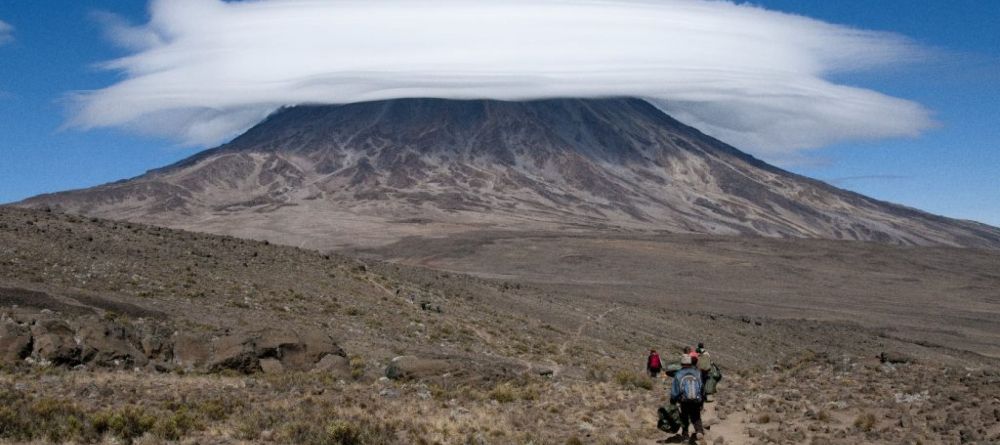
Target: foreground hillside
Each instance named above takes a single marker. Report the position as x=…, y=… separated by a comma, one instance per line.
x=368, y=174
x=471, y=359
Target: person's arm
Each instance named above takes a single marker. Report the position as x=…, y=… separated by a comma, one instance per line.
x=675, y=390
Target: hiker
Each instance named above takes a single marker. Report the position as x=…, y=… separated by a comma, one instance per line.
x=704, y=362
x=688, y=391
x=653, y=365
x=691, y=351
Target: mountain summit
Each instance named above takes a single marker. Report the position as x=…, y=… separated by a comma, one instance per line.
x=371, y=173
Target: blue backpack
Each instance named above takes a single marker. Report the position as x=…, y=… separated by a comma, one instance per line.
x=690, y=384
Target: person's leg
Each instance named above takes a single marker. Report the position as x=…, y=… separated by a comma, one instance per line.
x=685, y=421
x=696, y=418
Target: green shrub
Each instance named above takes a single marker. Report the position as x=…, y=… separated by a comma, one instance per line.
x=127, y=424
x=54, y=420
x=176, y=425
x=340, y=432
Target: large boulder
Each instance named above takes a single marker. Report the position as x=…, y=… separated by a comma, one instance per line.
x=336, y=365
x=237, y=352
x=410, y=367
x=191, y=351
x=155, y=340
x=271, y=366
x=311, y=347
x=54, y=341
x=15, y=342
x=295, y=350
x=109, y=343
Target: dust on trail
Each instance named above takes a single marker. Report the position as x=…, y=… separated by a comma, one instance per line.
x=732, y=430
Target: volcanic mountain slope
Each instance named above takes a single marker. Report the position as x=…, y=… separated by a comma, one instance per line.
x=372, y=173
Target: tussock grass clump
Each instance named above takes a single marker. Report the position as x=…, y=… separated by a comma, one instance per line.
x=823, y=416
x=357, y=364
x=127, y=423
x=508, y=392
x=865, y=422
x=177, y=424
x=48, y=419
x=312, y=423
x=253, y=423
x=24, y=419
x=633, y=380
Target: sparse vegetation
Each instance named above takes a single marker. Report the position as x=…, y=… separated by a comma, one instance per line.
x=517, y=364
x=865, y=422
x=633, y=380
x=357, y=364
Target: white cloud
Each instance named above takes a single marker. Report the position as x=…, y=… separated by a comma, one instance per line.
x=204, y=70
x=6, y=32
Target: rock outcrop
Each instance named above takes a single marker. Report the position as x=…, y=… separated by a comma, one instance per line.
x=44, y=338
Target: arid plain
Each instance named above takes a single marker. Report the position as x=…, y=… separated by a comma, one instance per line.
x=542, y=351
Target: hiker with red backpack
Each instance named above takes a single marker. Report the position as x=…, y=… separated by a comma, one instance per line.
x=688, y=391
x=653, y=364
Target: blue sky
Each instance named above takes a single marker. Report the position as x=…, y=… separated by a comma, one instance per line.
x=953, y=170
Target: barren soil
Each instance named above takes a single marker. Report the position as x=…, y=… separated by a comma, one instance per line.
x=541, y=339
x=935, y=296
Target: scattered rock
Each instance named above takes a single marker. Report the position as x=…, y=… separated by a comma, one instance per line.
x=389, y=393
x=415, y=368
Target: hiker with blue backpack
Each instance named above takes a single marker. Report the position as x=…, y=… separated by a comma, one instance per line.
x=689, y=393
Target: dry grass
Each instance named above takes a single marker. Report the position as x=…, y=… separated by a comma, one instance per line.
x=865, y=422
x=503, y=336
x=633, y=380
x=309, y=409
